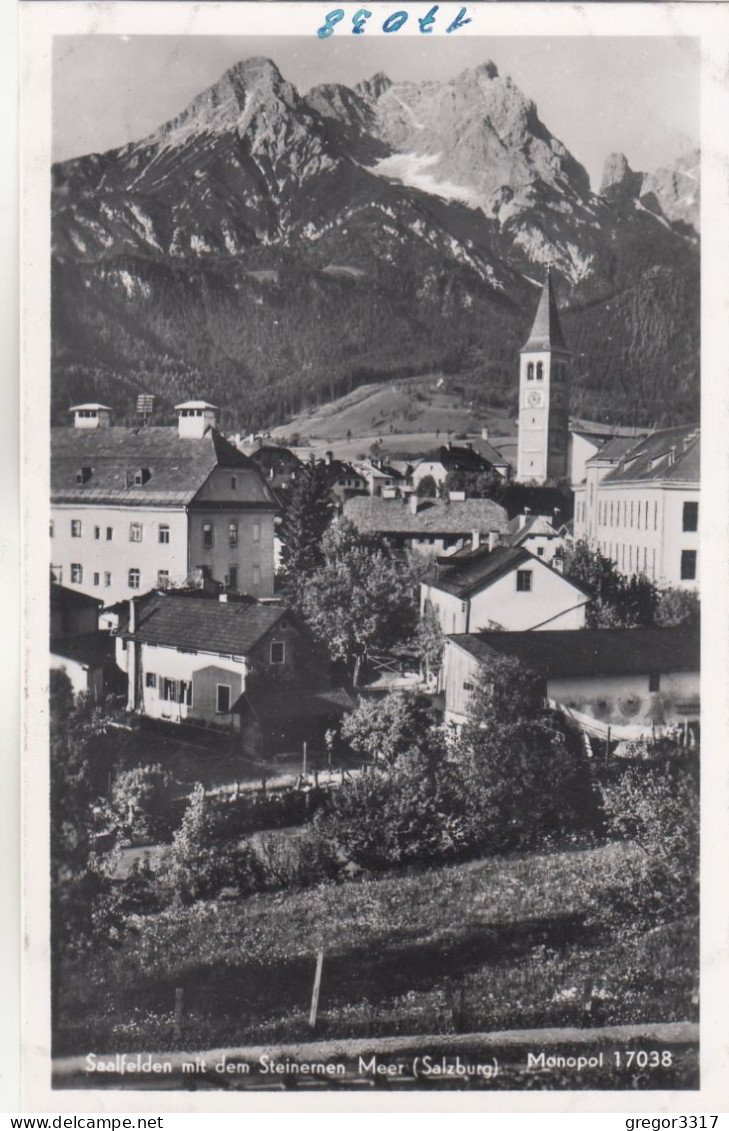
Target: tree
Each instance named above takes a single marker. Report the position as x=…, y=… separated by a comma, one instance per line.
x=200, y=864
x=85, y=911
x=308, y=511
x=476, y=484
x=521, y=777
x=427, y=488
x=141, y=799
x=429, y=642
x=359, y=599
x=677, y=606
x=384, y=730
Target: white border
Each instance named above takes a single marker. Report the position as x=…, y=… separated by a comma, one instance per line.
x=39, y=22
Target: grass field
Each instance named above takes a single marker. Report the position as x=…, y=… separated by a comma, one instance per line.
x=517, y=942
x=403, y=414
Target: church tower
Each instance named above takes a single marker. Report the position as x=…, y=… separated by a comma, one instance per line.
x=543, y=415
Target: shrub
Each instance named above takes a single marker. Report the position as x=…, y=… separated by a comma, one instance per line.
x=141, y=799
x=199, y=867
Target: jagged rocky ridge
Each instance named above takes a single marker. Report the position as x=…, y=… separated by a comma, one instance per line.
x=268, y=249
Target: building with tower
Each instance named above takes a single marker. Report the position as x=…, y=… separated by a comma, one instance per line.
x=543, y=411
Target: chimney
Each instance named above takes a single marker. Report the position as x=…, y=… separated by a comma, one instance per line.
x=672, y=455
x=132, y=615
x=414, y=500
x=449, y=445
x=484, y=433
x=91, y=415
x=328, y=457
x=194, y=418
x=494, y=540
x=223, y=598
x=456, y=496
x=475, y=539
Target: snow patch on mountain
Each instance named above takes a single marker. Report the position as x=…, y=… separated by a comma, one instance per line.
x=411, y=169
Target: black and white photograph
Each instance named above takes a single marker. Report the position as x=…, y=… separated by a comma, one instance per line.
x=373, y=703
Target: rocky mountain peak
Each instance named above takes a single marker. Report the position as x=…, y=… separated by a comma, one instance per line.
x=373, y=87
x=618, y=177
x=230, y=102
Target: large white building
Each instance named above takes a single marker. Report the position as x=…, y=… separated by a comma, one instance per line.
x=639, y=505
x=139, y=508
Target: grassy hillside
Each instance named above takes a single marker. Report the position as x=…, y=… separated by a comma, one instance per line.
x=514, y=941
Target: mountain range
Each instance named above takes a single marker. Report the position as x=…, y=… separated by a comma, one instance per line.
x=268, y=250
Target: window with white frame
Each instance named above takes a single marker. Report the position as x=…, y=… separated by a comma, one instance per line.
x=150, y=680
x=107, y=580
x=135, y=532
x=232, y=534
x=207, y=535
x=523, y=581
x=135, y=578
x=223, y=698
x=278, y=652
x=256, y=532
x=76, y=528
x=163, y=579
x=97, y=578
x=163, y=534
x=77, y=573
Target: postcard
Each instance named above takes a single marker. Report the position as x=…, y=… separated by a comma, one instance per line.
x=372, y=727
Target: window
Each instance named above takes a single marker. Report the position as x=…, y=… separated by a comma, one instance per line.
x=134, y=578
x=107, y=580
x=150, y=679
x=169, y=690
x=232, y=577
x=76, y=528
x=50, y=528
x=97, y=578
x=223, y=698
x=184, y=694
x=141, y=476
x=232, y=534
x=278, y=652
x=655, y=515
x=467, y=686
x=77, y=573
x=234, y=482
x=540, y=371
x=654, y=681
x=109, y=533
x=256, y=532
x=530, y=371
x=256, y=575
x=540, y=551
x=163, y=578
x=523, y=581
x=207, y=535
x=163, y=534
x=135, y=532
x=97, y=533
x=690, y=516
x=688, y=565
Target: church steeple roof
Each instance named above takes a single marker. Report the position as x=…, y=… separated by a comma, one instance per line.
x=546, y=333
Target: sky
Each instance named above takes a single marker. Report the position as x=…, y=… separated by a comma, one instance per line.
x=599, y=95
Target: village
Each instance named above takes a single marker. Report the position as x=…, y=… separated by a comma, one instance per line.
x=166, y=565
x=316, y=647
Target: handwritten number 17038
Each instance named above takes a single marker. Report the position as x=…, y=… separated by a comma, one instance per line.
x=393, y=23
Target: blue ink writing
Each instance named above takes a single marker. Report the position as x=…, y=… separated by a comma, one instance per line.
x=358, y=21
x=426, y=22
x=393, y=23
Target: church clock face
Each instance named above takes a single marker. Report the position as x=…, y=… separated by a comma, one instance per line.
x=535, y=398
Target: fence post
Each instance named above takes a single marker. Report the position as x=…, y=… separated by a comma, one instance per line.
x=315, y=991
x=607, y=747
x=179, y=1010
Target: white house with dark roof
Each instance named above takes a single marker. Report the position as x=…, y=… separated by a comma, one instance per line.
x=639, y=505
x=637, y=681
x=426, y=525
x=133, y=508
x=503, y=588
x=242, y=666
x=539, y=535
